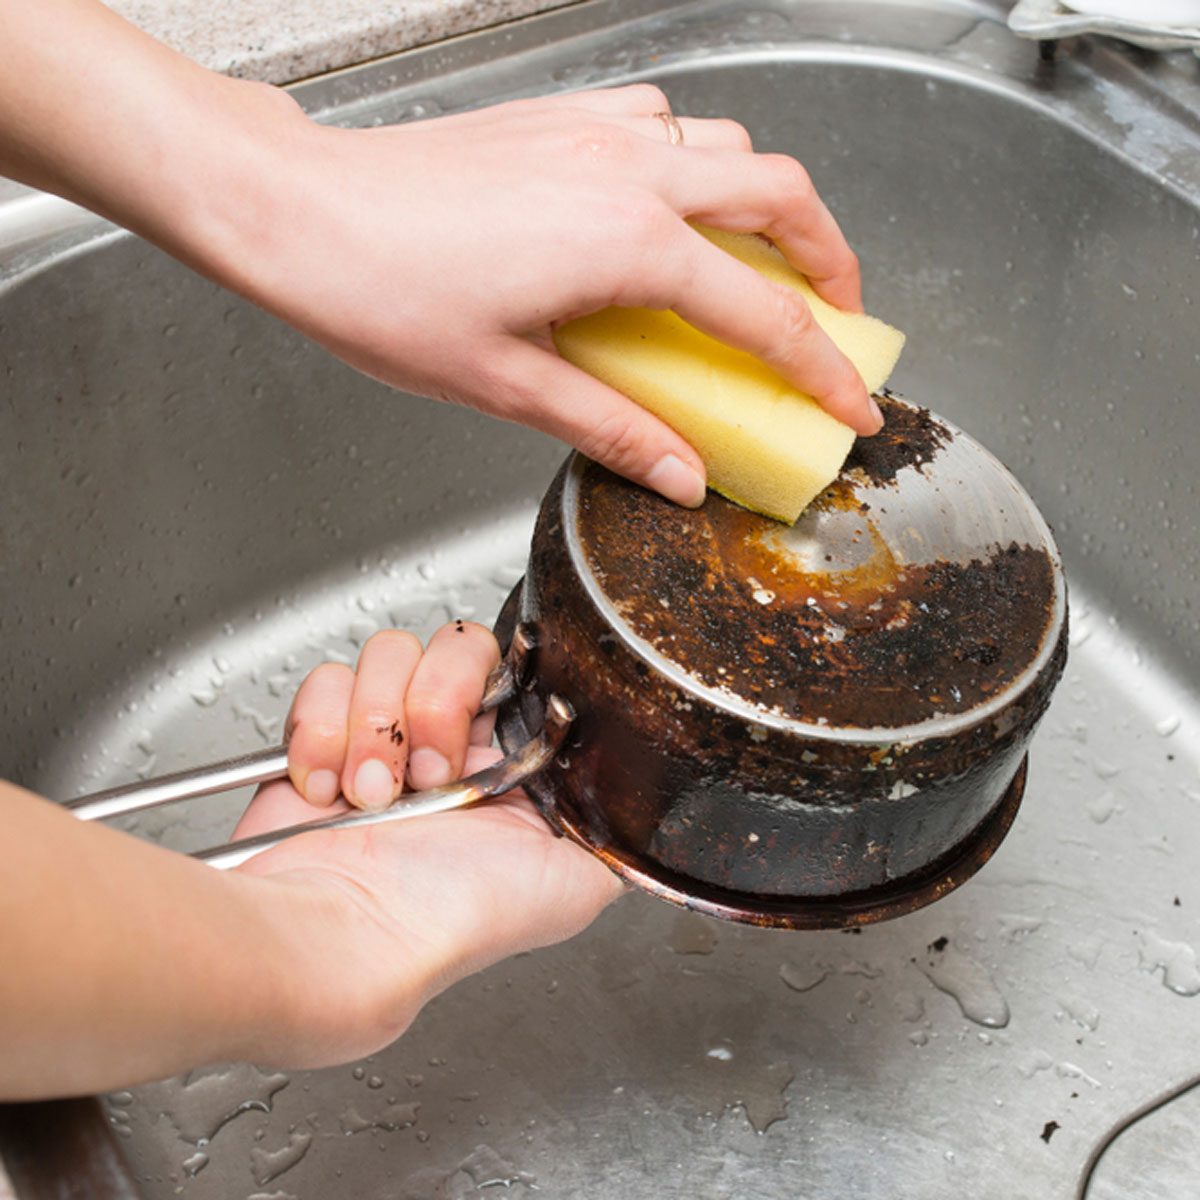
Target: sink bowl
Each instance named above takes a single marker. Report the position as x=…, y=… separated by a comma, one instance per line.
x=199, y=506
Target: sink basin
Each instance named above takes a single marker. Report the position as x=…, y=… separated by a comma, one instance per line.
x=199, y=506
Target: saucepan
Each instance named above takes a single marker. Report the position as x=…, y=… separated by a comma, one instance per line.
x=814, y=726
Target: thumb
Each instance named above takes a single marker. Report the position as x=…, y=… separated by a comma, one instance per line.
x=550, y=394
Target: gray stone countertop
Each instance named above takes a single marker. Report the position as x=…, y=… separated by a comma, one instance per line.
x=280, y=41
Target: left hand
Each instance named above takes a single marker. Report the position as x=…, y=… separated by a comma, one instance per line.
x=397, y=912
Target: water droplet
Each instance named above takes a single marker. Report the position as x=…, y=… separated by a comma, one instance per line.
x=207, y=1102
x=1036, y=1062
x=693, y=934
x=1014, y=926
x=359, y=1072
x=1085, y=1014
x=909, y=1005
x=387, y=1120
x=375, y=1083
x=1176, y=960
x=803, y=977
x=1103, y=807
x=487, y=1169
x=969, y=983
x=1066, y=1070
x=1167, y=726
x=1086, y=951
x=866, y=970
x=195, y=1164
x=767, y=1104
x=266, y=1165
x=721, y=1053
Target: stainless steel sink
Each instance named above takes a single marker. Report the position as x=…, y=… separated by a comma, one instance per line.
x=198, y=506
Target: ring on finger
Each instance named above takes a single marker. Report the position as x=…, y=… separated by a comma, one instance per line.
x=673, y=128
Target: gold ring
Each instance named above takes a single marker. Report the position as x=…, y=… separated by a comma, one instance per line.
x=674, y=129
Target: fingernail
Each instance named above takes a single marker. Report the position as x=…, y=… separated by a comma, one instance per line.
x=321, y=788
x=373, y=786
x=878, y=413
x=673, y=478
x=427, y=768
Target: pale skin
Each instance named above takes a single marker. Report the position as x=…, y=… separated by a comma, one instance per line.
x=421, y=266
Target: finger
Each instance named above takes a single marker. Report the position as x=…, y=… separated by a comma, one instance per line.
x=547, y=392
x=443, y=699
x=316, y=732
x=277, y=805
x=378, y=728
x=734, y=304
x=483, y=729
x=770, y=194
x=697, y=133
x=631, y=100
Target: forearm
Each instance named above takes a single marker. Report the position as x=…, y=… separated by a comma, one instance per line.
x=95, y=110
x=121, y=961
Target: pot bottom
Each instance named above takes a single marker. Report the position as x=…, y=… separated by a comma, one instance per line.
x=892, y=899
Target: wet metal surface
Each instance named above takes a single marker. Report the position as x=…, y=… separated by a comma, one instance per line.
x=199, y=507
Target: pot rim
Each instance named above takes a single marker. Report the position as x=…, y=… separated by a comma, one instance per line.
x=940, y=726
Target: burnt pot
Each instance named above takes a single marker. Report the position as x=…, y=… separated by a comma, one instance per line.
x=818, y=787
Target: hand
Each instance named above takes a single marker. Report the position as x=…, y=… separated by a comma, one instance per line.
x=437, y=256
x=449, y=248
x=397, y=912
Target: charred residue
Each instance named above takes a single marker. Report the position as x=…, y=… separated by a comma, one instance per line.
x=910, y=437
x=883, y=644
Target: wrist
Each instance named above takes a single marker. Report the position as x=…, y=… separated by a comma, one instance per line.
x=333, y=983
x=221, y=201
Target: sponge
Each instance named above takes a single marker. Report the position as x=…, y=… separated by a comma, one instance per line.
x=765, y=444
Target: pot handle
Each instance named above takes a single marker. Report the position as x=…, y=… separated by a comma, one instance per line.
x=266, y=765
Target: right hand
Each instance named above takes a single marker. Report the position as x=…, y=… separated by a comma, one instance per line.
x=437, y=256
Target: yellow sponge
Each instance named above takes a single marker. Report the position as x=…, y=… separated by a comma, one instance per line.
x=765, y=444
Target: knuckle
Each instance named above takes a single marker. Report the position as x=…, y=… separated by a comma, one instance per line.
x=377, y=720
x=793, y=327
x=440, y=711
x=645, y=271
x=650, y=95
x=736, y=134
x=653, y=222
x=793, y=179
x=320, y=734
x=615, y=440
x=597, y=140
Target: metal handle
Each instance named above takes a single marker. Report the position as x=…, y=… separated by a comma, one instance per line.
x=267, y=765
x=495, y=780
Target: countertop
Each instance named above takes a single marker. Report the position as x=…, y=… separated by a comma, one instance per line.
x=281, y=42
